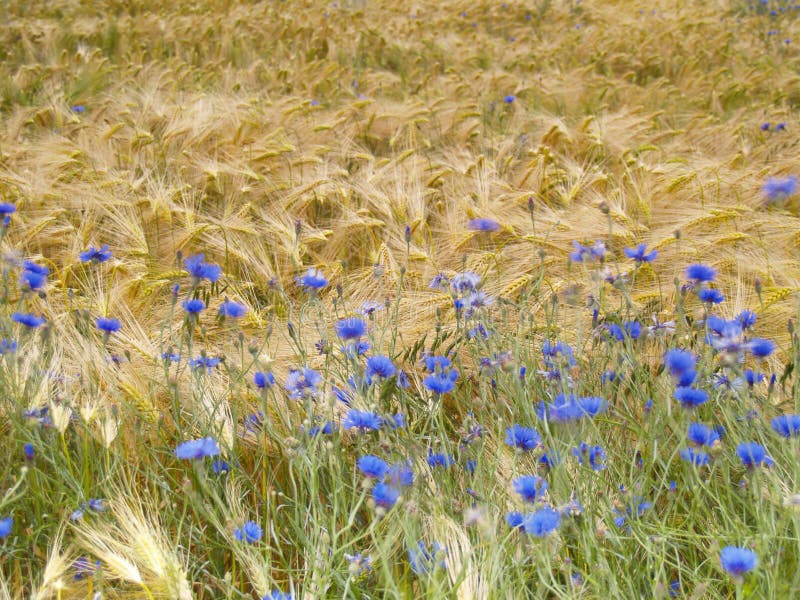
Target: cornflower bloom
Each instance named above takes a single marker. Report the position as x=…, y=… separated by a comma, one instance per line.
x=738, y=561
x=93, y=254
x=197, y=449
x=640, y=255
x=200, y=270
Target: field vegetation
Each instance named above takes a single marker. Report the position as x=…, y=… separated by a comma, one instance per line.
x=418, y=299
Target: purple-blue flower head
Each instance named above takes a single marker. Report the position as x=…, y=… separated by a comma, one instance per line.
x=690, y=397
x=400, y=475
x=250, y=532
x=738, y=561
x=694, y=457
x=351, y=328
x=679, y=362
x=362, y=420
x=33, y=276
x=108, y=325
x=710, y=296
x=489, y=225
x=312, y=280
x=232, y=310
x=760, y=347
x=93, y=254
x=436, y=363
x=379, y=366
x=465, y=282
x=7, y=209
x=523, y=438
x=423, y=561
x=702, y=435
x=700, y=273
x=509, y=99
x=197, y=449
x=640, y=254
x=541, y=523
x=263, y=380
x=786, y=425
x=28, y=319
x=303, y=383
x=439, y=459
x=530, y=487
x=780, y=188
x=201, y=270
x=372, y=466
x=594, y=455
x=752, y=455
x=385, y=495
x=6, y=526
x=441, y=383
x=278, y=595
x=204, y=362
x=746, y=318
x=193, y=306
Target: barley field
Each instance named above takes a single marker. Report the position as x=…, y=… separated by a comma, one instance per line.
x=424, y=299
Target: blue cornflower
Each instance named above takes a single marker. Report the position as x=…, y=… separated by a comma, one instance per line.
x=631, y=511
x=595, y=455
x=439, y=282
x=786, y=425
x=710, y=296
x=523, y=438
x=541, y=523
x=220, y=467
x=99, y=255
x=596, y=251
x=592, y=406
x=436, y=363
x=441, y=383
x=530, y=487
x=351, y=328
x=6, y=209
x=108, y=325
x=196, y=449
x=760, y=347
x=700, y=273
x=746, y=318
x=765, y=126
x=312, y=280
x=84, y=568
x=440, y=459
x=515, y=519
x=679, y=362
x=695, y=457
x=509, y=99
x=327, y=428
x=562, y=409
x=7, y=346
x=423, y=561
x=28, y=319
x=249, y=532
x=277, y=594
x=379, y=366
x=690, y=397
x=400, y=475
x=779, y=188
x=29, y=451
x=702, y=435
x=552, y=351
x=34, y=276
x=483, y=225
x=738, y=561
x=303, y=383
x=640, y=254
x=201, y=270
x=466, y=282
x=204, y=362
x=263, y=380
x=232, y=309
x=752, y=377
x=752, y=455
x=385, y=495
x=6, y=525
x=362, y=420
x=193, y=306
x=372, y=466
